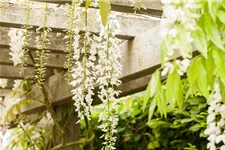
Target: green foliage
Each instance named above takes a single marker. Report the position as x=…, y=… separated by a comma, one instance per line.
x=182, y=129
x=200, y=41
x=208, y=38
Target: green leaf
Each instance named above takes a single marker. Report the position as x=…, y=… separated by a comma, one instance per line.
x=200, y=41
x=223, y=4
x=222, y=90
x=213, y=9
x=153, y=86
x=220, y=64
x=88, y=2
x=177, y=90
x=210, y=68
x=202, y=80
x=212, y=31
x=194, y=101
x=186, y=120
x=221, y=15
x=169, y=89
x=151, y=146
x=151, y=109
x=161, y=102
x=146, y=96
x=155, y=83
x=105, y=9
x=195, y=127
x=174, y=89
x=194, y=67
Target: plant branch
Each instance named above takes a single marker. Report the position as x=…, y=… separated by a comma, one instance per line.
x=84, y=142
x=47, y=102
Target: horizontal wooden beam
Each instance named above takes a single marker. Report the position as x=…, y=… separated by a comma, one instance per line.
x=57, y=41
x=141, y=55
x=130, y=26
x=55, y=60
x=5, y=92
x=152, y=7
x=60, y=93
x=12, y=72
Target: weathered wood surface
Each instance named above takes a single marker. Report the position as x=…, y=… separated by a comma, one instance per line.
x=55, y=60
x=130, y=25
x=12, y=72
x=139, y=55
x=4, y=92
x=153, y=7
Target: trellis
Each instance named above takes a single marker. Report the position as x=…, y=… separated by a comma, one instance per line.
x=140, y=44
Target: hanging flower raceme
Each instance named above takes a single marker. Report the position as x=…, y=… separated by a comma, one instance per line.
x=41, y=54
x=84, y=75
x=109, y=70
x=216, y=121
x=180, y=21
x=73, y=18
x=16, y=45
x=19, y=42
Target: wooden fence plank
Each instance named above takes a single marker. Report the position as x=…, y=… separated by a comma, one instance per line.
x=130, y=26
x=153, y=7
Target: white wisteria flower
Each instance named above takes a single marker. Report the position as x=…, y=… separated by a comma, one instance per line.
x=16, y=45
x=46, y=122
x=180, y=20
x=3, y=83
x=216, y=120
x=84, y=71
x=109, y=70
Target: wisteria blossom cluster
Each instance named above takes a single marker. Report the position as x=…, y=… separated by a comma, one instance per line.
x=46, y=122
x=72, y=23
x=89, y=70
x=109, y=70
x=83, y=73
x=216, y=121
x=16, y=45
x=180, y=20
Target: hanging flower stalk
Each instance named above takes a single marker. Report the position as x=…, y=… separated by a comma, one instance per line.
x=109, y=70
x=84, y=75
x=41, y=54
x=19, y=42
x=26, y=35
x=70, y=37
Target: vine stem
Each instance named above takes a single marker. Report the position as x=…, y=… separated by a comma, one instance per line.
x=83, y=142
x=47, y=102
